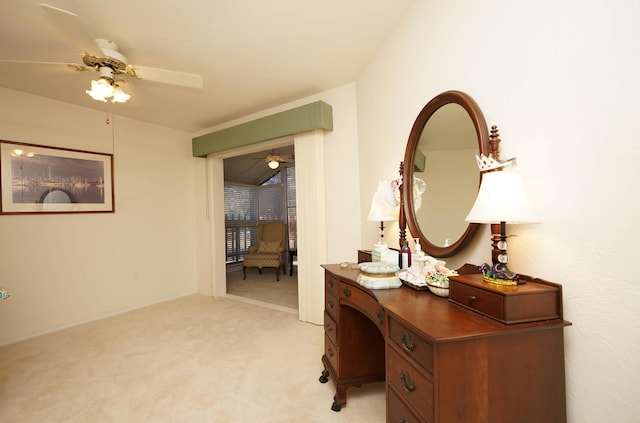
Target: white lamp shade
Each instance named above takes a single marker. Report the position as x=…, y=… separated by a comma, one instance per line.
x=380, y=212
x=502, y=198
x=119, y=96
x=101, y=88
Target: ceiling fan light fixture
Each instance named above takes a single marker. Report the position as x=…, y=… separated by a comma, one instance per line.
x=104, y=89
x=101, y=89
x=119, y=96
x=273, y=164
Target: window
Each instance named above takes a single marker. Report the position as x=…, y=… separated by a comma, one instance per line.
x=270, y=203
x=292, y=217
x=240, y=215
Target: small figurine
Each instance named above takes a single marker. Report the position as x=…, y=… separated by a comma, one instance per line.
x=497, y=274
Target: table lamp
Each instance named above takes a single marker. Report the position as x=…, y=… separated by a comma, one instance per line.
x=501, y=199
x=380, y=213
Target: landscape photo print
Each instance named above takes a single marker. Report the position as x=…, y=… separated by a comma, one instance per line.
x=41, y=179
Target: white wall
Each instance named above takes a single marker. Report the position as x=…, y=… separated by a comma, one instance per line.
x=65, y=269
x=560, y=79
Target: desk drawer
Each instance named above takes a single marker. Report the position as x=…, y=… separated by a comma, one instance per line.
x=398, y=412
x=410, y=383
x=477, y=299
x=331, y=283
x=362, y=301
x=414, y=346
x=330, y=327
x=331, y=352
x=331, y=304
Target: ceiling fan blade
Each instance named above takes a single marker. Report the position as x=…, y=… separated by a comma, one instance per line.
x=169, y=77
x=76, y=66
x=71, y=28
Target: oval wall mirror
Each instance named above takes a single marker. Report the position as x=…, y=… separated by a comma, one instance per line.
x=440, y=174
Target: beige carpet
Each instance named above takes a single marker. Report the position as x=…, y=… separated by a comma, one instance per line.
x=264, y=287
x=194, y=359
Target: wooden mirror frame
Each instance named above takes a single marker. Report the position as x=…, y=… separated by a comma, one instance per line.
x=407, y=216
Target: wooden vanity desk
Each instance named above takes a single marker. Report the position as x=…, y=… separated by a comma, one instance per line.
x=442, y=363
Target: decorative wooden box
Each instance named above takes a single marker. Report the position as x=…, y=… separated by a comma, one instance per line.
x=532, y=301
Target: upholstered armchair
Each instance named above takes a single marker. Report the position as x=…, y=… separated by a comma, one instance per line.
x=270, y=249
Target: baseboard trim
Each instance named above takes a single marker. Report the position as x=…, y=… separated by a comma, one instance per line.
x=263, y=304
x=93, y=319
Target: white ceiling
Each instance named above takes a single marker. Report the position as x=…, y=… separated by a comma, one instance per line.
x=252, y=54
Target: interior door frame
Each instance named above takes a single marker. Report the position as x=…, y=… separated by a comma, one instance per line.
x=311, y=215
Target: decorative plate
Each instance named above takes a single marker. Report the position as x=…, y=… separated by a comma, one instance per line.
x=378, y=268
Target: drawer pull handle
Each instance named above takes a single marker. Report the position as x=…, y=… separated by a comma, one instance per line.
x=407, y=383
x=346, y=292
x=381, y=317
x=472, y=298
x=330, y=283
x=407, y=343
x=328, y=327
x=330, y=351
x=330, y=303
x=403, y=420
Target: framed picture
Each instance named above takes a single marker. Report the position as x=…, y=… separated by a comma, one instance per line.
x=38, y=179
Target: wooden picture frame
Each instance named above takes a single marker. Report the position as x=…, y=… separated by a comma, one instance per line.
x=38, y=179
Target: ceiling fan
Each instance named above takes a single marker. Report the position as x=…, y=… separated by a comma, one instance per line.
x=273, y=159
x=103, y=56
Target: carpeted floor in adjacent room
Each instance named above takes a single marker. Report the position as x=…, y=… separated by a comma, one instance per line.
x=264, y=287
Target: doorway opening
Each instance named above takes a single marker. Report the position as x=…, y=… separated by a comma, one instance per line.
x=258, y=191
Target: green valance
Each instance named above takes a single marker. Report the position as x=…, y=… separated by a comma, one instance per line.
x=317, y=115
x=419, y=161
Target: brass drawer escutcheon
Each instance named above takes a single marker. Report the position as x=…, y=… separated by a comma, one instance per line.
x=406, y=381
x=408, y=344
x=346, y=292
